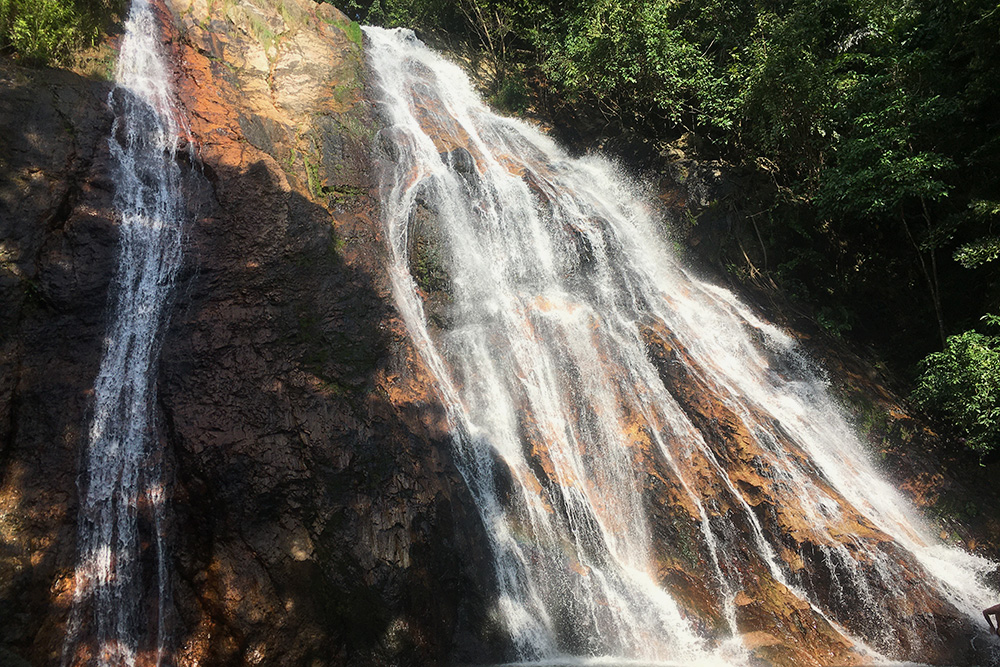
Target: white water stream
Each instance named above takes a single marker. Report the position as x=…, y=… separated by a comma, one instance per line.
x=121, y=585
x=554, y=270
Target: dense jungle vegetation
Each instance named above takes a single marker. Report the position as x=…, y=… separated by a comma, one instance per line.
x=868, y=131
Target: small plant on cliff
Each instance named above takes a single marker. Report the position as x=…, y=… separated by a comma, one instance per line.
x=962, y=384
x=263, y=33
x=353, y=31
x=428, y=267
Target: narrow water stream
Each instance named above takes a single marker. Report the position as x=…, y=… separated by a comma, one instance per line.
x=121, y=582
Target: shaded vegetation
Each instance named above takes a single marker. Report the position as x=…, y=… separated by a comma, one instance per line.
x=49, y=31
x=868, y=132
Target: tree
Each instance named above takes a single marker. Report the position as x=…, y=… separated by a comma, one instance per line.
x=879, y=176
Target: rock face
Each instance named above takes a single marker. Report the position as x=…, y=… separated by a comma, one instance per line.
x=320, y=517
x=57, y=256
x=317, y=516
x=779, y=627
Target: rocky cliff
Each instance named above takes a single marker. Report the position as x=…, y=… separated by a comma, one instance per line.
x=317, y=516
x=58, y=256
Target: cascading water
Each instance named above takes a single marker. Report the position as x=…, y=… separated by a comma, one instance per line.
x=538, y=292
x=121, y=586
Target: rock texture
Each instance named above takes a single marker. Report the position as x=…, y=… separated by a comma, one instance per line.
x=781, y=628
x=57, y=256
x=317, y=517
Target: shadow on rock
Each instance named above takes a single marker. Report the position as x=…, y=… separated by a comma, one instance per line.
x=318, y=517
x=57, y=257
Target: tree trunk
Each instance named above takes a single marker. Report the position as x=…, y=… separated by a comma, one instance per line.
x=930, y=275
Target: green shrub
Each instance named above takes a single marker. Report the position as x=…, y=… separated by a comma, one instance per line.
x=512, y=94
x=962, y=384
x=49, y=31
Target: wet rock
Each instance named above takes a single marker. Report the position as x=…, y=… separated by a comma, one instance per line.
x=835, y=565
x=460, y=160
x=428, y=260
x=317, y=516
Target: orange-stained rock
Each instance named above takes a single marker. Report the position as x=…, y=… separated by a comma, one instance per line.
x=317, y=516
x=317, y=509
x=766, y=604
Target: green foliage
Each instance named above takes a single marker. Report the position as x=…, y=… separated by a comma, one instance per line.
x=978, y=252
x=870, y=127
x=626, y=54
x=512, y=94
x=41, y=30
x=406, y=13
x=962, y=384
x=352, y=28
x=835, y=320
x=49, y=31
x=983, y=215
x=314, y=181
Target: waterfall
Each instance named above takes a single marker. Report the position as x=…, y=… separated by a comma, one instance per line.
x=121, y=582
x=540, y=293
